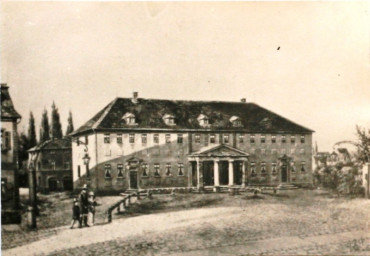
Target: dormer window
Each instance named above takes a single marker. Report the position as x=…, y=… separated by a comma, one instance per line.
x=203, y=120
x=236, y=121
x=129, y=119
x=169, y=119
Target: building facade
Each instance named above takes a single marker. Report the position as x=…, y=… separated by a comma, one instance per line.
x=52, y=161
x=10, y=207
x=136, y=143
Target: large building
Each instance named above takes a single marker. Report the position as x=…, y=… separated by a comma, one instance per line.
x=136, y=143
x=10, y=207
x=52, y=161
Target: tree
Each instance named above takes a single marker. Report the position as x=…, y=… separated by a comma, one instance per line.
x=56, y=127
x=363, y=145
x=32, y=141
x=70, y=128
x=45, y=128
x=23, y=156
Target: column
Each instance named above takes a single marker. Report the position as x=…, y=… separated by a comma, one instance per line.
x=216, y=175
x=244, y=177
x=200, y=174
x=231, y=173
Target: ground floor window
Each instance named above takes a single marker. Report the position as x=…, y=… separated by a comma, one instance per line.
x=120, y=170
x=303, y=169
x=263, y=169
x=145, y=169
x=181, y=169
x=253, y=170
x=168, y=169
x=156, y=170
x=107, y=171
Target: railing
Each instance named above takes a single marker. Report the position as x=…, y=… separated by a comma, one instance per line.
x=125, y=202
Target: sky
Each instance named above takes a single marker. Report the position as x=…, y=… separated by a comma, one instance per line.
x=309, y=62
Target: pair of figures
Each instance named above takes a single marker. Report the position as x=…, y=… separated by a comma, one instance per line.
x=84, y=208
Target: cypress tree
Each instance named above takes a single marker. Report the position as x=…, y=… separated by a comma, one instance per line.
x=32, y=141
x=45, y=129
x=56, y=127
x=70, y=127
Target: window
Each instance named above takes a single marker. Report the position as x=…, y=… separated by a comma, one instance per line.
x=168, y=169
x=273, y=138
x=129, y=118
x=107, y=138
x=119, y=138
x=292, y=166
x=156, y=138
x=181, y=169
x=252, y=139
x=226, y=138
x=197, y=138
x=203, y=120
x=145, y=170
x=292, y=139
x=67, y=165
x=205, y=139
x=78, y=171
x=169, y=119
x=241, y=138
x=86, y=140
x=236, y=121
x=273, y=169
x=53, y=165
x=263, y=168
x=156, y=170
x=179, y=138
x=143, y=138
x=253, y=169
x=263, y=138
x=7, y=141
x=107, y=171
x=52, y=152
x=303, y=169
x=212, y=138
x=78, y=141
x=131, y=138
x=120, y=170
x=302, y=139
x=283, y=139
x=168, y=138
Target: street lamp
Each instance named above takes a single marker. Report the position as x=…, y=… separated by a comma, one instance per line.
x=86, y=160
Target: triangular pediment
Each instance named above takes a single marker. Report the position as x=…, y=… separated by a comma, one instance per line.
x=220, y=151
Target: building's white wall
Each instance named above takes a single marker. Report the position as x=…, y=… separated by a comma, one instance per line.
x=78, y=152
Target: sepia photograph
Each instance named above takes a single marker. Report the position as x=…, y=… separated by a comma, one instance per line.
x=185, y=128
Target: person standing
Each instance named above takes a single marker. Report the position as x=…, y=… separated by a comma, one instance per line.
x=76, y=213
x=91, y=209
x=84, y=203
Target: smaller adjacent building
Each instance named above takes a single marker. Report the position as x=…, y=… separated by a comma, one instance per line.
x=53, y=163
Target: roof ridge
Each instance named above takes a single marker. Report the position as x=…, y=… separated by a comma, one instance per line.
x=205, y=101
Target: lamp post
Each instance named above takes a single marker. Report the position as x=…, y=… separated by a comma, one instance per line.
x=86, y=160
x=32, y=208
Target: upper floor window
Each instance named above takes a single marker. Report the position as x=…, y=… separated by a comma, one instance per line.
x=131, y=138
x=252, y=138
x=241, y=138
x=203, y=120
x=236, y=121
x=303, y=168
x=181, y=169
x=107, y=138
x=145, y=169
x=273, y=168
x=168, y=138
x=156, y=170
x=120, y=170
x=273, y=138
x=53, y=165
x=302, y=139
x=283, y=139
x=129, y=118
x=86, y=140
x=143, y=138
x=179, y=138
x=169, y=119
x=107, y=171
x=156, y=138
x=78, y=171
x=168, y=169
x=292, y=139
x=5, y=140
x=263, y=138
x=67, y=165
x=197, y=138
x=226, y=138
x=119, y=138
x=212, y=138
x=292, y=166
x=52, y=152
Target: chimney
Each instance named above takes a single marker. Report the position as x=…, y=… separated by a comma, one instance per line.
x=244, y=100
x=134, y=97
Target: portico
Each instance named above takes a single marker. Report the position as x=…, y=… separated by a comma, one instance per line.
x=219, y=165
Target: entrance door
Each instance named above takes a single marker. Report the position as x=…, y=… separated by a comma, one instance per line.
x=238, y=173
x=224, y=172
x=194, y=175
x=284, y=173
x=133, y=179
x=53, y=184
x=208, y=174
x=67, y=183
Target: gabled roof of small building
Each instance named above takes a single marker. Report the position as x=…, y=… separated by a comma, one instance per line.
x=149, y=114
x=7, y=108
x=65, y=143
